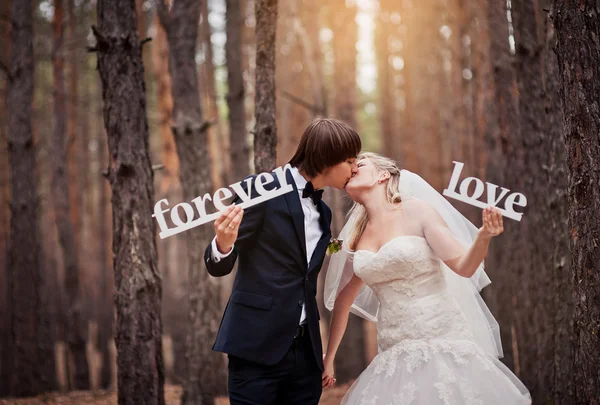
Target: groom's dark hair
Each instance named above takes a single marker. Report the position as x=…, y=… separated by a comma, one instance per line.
x=326, y=142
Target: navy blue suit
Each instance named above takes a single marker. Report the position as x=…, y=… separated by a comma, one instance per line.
x=260, y=325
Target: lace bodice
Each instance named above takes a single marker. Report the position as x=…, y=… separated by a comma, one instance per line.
x=409, y=282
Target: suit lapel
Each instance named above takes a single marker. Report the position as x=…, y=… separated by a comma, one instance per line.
x=293, y=203
x=325, y=236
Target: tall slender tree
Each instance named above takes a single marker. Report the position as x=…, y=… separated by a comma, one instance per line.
x=351, y=360
x=171, y=255
x=265, y=131
x=106, y=283
x=23, y=278
x=137, y=280
x=577, y=33
x=240, y=151
x=76, y=325
x=499, y=147
x=204, y=381
x=218, y=155
x=5, y=34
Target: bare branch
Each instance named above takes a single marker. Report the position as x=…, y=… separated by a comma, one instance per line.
x=312, y=108
x=207, y=124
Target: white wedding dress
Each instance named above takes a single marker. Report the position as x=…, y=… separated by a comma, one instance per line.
x=427, y=354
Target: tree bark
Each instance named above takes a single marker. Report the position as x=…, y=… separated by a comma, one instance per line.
x=218, y=156
x=5, y=34
x=76, y=325
x=137, y=280
x=23, y=277
x=350, y=361
x=204, y=381
x=577, y=33
x=384, y=36
x=73, y=141
x=175, y=311
x=106, y=284
x=240, y=151
x=500, y=298
x=265, y=131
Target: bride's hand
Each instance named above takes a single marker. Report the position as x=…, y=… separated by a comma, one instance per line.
x=493, y=224
x=328, y=378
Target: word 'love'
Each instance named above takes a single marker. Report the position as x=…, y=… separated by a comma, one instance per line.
x=492, y=196
x=244, y=193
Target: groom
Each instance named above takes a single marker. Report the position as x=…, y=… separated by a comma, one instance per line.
x=270, y=329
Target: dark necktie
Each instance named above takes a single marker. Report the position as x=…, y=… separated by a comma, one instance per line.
x=309, y=191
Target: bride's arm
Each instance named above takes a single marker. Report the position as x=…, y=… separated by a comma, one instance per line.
x=462, y=262
x=337, y=327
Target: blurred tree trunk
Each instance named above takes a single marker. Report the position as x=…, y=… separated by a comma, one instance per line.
x=530, y=281
x=350, y=361
x=207, y=69
x=106, y=284
x=465, y=89
x=5, y=34
x=500, y=298
x=265, y=132
x=137, y=280
x=74, y=143
x=249, y=65
x=240, y=151
x=292, y=107
x=102, y=230
x=23, y=278
x=482, y=97
x=76, y=325
x=577, y=32
x=174, y=305
x=204, y=381
x=385, y=39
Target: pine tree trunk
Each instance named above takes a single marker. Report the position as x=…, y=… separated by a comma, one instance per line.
x=350, y=361
x=577, y=32
x=137, y=280
x=5, y=34
x=74, y=142
x=174, y=305
x=498, y=262
x=215, y=132
x=265, y=131
x=106, y=284
x=205, y=368
x=23, y=277
x=240, y=151
x=384, y=80
x=76, y=326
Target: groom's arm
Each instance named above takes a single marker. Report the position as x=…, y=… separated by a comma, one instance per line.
x=220, y=264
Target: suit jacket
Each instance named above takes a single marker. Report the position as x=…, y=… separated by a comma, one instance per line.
x=273, y=280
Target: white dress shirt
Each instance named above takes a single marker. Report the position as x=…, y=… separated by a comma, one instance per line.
x=312, y=228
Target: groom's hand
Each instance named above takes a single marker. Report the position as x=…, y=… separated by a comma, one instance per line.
x=227, y=226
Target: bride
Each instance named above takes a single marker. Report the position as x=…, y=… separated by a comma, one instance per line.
x=413, y=264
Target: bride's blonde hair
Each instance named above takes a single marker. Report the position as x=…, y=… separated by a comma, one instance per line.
x=382, y=164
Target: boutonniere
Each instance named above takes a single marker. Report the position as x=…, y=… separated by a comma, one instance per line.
x=335, y=245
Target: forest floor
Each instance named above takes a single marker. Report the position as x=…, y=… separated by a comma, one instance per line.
x=330, y=396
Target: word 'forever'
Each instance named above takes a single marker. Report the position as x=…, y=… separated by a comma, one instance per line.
x=244, y=193
x=493, y=198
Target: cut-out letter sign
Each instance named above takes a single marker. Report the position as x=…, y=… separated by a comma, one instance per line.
x=199, y=203
x=494, y=196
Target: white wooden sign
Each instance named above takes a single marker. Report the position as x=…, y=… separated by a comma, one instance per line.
x=493, y=196
x=217, y=199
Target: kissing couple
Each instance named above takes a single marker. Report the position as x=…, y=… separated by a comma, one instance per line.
x=409, y=261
